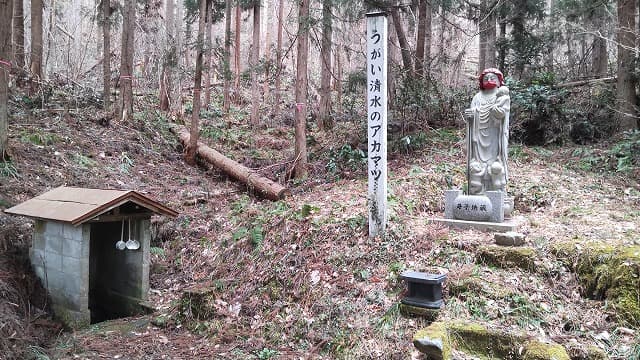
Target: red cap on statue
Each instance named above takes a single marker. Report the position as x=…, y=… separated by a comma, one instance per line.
x=490, y=84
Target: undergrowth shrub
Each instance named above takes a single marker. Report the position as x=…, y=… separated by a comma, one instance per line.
x=544, y=114
x=346, y=160
x=420, y=103
x=626, y=152
x=537, y=111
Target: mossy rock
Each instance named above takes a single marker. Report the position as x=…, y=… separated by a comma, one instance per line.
x=579, y=352
x=536, y=350
x=475, y=285
x=125, y=327
x=4, y=203
x=161, y=321
x=197, y=304
x=71, y=319
x=476, y=339
x=438, y=340
x=508, y=257
x=433, y=341
x=606, y=271
x=428, y=314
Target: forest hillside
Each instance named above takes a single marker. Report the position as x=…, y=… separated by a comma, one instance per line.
x=125, y=94
x=299, y=277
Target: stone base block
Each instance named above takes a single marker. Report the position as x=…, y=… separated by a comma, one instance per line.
x=415, y=311
x=507, y=225
x=509, y=238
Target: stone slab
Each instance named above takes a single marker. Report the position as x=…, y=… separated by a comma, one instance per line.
x=507, y=225
x=509, y=238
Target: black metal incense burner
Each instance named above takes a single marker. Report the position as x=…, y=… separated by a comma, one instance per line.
x=424, y=290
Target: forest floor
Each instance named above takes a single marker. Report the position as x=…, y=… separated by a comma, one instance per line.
x=299, y=278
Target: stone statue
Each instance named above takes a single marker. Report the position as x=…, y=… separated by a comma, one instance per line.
x=488, y=135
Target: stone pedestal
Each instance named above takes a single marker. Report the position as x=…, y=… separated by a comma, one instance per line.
x=488, y=212
x=488, y=207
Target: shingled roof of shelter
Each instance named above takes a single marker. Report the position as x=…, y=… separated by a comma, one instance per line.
x=79, y=205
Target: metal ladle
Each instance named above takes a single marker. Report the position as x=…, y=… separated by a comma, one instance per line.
x=121, y=245
x=132, y=244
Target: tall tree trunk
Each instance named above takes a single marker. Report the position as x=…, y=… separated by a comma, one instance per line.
x=18, y=33
x=490, y=49
x=325, y=119
x=517, y=33
x=394, y=62
x=208, y=56
x=626, y=87
x=599, y=59
x=442, y=46
x=337, y=81
x=502, y=51
x=402, y=39
x=255, y=58
x=126, y=64
x=428, y=35
x=550, y=20
x=226, y=105
x=36, y=38
x=267, y=51
x=106, y=50
x=278, y=79
x=48, y=65
x=5, y=55
x=422, y=32
x=571, y=59
x=194, y=133
x=482, y=46
x=169, y=59
x=177, y=104
x=236, y=55
x=482, y=35
x=487, y=54
x=300, y=168
x=583, y=67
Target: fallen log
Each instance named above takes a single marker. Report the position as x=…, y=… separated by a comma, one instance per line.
x=587, y=82
x=270, y=189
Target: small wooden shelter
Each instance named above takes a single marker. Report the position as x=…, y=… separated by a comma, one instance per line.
x=91, y=250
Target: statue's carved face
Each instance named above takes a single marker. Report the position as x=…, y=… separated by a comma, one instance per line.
x=490, y=81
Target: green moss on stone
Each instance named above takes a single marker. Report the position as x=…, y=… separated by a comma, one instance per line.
x=437, y=340
x=479, y=286
x=124, y=327
x=536, y=350
x=434, y=341
x=606, y=271
x=580, y=352
x=508, y=257
x=71, y=319
x=428, y=314
x=197, y=304
x=476, y=339
x=595, y=353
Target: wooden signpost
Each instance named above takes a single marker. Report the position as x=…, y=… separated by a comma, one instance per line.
x=377, y=121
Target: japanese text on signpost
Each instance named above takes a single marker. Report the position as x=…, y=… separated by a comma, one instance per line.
x=377, y=121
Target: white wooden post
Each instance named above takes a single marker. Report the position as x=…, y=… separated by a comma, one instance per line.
x=377, y=121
